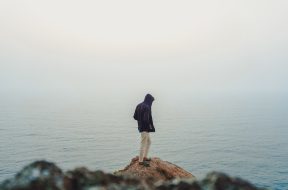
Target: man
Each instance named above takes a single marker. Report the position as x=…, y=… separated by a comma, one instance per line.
x=145, y=125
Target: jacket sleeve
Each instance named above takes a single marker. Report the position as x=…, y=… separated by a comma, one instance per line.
x=135, y=116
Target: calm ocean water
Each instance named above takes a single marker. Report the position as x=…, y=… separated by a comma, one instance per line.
x=247, y=138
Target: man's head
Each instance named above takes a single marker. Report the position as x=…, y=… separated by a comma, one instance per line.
x=149, y=99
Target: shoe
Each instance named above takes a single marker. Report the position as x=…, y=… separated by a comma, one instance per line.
x=144, y=164
x=147, y=159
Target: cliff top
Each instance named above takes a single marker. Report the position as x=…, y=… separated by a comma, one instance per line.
x=43, y=175
x=158, y=170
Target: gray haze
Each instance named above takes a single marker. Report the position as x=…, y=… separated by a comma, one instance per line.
x=72, y=72
x=101, y=49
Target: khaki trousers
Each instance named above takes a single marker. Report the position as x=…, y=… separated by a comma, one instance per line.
x=145, y=145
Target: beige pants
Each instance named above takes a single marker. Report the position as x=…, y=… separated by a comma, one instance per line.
x=145, y=145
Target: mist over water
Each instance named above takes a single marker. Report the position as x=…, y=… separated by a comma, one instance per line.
x=71, y=74
x=242, y=136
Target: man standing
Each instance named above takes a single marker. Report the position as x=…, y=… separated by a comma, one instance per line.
x=145, y=125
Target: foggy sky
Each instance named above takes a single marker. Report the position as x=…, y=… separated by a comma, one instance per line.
x=80, y=48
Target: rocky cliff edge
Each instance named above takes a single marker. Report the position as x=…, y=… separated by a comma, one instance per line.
x=161, y=175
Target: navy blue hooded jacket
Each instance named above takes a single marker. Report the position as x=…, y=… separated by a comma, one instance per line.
x=144, y=116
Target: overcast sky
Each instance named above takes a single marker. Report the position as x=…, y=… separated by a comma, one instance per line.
x=102, y=47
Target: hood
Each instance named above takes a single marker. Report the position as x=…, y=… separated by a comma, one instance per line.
x=148, y=99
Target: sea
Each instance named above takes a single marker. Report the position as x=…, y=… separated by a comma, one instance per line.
x=245, y=137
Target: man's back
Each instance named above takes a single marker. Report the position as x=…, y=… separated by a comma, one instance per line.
x=142, y=112
x=144, y=116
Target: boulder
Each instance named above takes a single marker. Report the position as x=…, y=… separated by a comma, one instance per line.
x=158, y=170
x=161, y=175
x=44, y=175
x=83, y=179
x=213, y=181
x=37, y=176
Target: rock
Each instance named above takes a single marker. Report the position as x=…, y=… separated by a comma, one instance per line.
x=158, y=170
x=161, y=175
x=221, y=181
x=38, y=175
x=213, y=181
x=43, y=175
x=82, y=178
